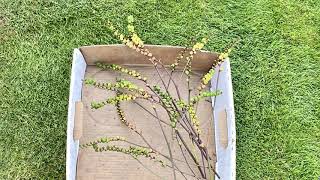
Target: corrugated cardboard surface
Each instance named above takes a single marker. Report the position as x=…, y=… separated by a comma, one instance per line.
x=105, y=122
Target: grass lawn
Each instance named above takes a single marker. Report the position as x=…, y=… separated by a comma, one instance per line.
x=275, y=69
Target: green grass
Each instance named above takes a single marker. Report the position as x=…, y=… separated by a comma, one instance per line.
x=275, y=73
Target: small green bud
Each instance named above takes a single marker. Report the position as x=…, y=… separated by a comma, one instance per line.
x=89, y=81
x=173, y=124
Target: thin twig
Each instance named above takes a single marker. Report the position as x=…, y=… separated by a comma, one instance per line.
x=184, y=156
x=141, y=106
x=178, y=61
x=146, y=167
x=190, y=153
x=168, y=145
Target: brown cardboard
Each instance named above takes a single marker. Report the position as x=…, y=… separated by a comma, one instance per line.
x=122, y=55
x=78, y=120
x=223, y=128
x=105, y=122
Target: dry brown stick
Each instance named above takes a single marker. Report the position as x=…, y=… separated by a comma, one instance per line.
x=203, y=151
x=197, y=141
x=96, y=148
x=190, y=153
x=155, y=62
x=184, y=156
x=183, y=173
x=192, y=41
x=174, y=83
x=178, y=61
x=168, y=145
x=142, y=107
x=204, y=169
x=147, y=167
x=144, y=139
x=209, y=165
x=183, y=126
x=177, y=109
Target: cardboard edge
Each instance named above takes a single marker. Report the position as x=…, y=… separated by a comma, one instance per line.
x=147, y=45
x=77, y=75
x=123, y=55
x=223, y=104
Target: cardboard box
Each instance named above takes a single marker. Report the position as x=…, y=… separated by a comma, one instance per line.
x=85, y=124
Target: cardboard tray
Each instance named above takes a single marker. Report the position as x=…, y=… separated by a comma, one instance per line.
x=84, y=125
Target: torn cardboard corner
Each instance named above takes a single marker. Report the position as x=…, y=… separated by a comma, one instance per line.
x=93, y=124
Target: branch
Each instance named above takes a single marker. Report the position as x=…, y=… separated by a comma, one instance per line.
x=168, y=145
